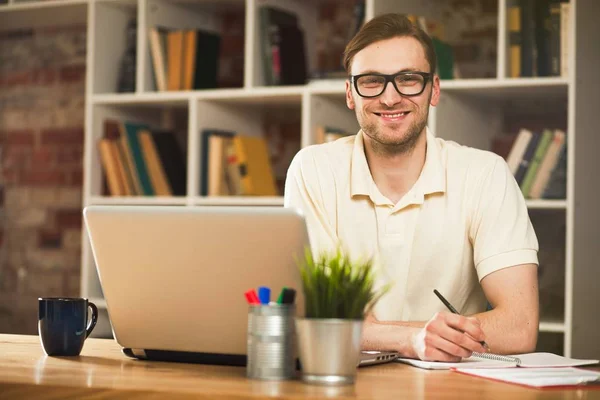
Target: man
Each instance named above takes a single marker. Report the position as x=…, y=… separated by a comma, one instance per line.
x=435, y=214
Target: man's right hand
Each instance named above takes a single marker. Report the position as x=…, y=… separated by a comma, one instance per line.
x=449, y=337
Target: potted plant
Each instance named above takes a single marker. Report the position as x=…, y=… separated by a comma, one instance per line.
x=338, y=293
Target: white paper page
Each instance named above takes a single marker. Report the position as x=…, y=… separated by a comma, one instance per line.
x=465, y=363
x=537, y=377
x=550, y=360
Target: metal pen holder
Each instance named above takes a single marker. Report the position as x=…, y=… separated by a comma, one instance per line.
x=271, y=342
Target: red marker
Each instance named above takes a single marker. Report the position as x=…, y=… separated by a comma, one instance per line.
x=252, y=297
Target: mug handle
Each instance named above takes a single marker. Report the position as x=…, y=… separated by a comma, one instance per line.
x=93, y=321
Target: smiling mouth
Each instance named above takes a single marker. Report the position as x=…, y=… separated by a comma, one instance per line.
x=393, y=115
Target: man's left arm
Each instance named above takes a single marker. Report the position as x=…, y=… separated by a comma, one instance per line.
x=505, y=255
x=511, y=327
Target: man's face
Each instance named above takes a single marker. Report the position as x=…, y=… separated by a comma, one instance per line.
x=392, y=120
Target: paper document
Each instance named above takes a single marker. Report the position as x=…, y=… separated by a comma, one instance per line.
x=488, y=360
x=537, y=377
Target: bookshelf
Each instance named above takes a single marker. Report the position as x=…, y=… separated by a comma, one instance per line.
x=472, y=111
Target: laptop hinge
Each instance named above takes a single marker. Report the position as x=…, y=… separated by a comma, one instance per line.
x=139, y=353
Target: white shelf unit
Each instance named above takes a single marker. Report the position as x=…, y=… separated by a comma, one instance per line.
x=471, y=112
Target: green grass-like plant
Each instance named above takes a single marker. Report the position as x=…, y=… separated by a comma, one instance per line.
x=336, y=287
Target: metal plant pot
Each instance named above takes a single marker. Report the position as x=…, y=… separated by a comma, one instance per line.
x=329, y=349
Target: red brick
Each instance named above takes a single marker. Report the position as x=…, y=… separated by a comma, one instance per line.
x=11, y=177
x=72, y=73
x=61, y=136
x=16, y=157
x=77, y=178
x=15, y=78
x=44, y=76
x=68, y=219
x=43, y=177
x=25, y=137
x=49, y=239
x=42, y=158
x=69, y=155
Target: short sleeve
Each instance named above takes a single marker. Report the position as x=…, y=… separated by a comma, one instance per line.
x=501, y=232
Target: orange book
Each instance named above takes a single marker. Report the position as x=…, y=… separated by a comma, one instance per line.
x=189, y=59
x=107, y=158
x=175, y=54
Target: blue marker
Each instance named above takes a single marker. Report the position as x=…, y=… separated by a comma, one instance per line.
x=264, y=295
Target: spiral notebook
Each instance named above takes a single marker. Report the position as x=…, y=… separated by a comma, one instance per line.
x=489, y=360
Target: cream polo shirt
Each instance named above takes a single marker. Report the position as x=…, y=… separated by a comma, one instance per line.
x=463, y=219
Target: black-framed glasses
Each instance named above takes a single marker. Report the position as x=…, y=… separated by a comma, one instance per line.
x=407, y=83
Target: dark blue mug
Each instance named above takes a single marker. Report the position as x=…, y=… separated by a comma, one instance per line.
x=63, y=324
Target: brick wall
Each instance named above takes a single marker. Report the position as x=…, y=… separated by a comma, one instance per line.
x=42, y=83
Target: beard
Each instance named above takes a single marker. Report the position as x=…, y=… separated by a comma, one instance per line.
x=396, y=143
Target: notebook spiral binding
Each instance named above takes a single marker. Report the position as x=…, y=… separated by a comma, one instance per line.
x=497, y=357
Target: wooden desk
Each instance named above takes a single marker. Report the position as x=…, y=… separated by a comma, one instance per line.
x=102, y=371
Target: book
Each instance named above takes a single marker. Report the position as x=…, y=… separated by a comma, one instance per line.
x=133, y=148
x=205, y=151
x=189, y=59
x=175, y=47
x=515, y=38
x=109, y=166
x=537, y=377
x=557, y=186
x=157, y=38
x=217, y=166
x=156, y=172
x=536, y=160
x=548, y=164
x=528, y=38
x=206, y=67
x=173, y=160
x=527, y=157
x=489, y=360
x=255, y=166
x=518, y=150
x=112, y=131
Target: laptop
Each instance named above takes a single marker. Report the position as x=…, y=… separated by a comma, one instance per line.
x=174, y=277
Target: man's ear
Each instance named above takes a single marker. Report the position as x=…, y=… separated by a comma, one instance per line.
x=349, y=98
x=435, y=91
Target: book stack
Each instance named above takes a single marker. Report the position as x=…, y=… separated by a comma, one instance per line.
x=283, y=48
x=140, y=161
x=235, y=165
x=538, y=32
x=538, y=160
x=184, y=59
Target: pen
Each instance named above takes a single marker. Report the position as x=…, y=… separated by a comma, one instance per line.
x=280, y=297
x=288, y=296
x=264, y=294
x=454, y=311
x=251, y=297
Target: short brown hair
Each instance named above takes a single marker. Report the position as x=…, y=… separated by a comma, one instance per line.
x=384, y=27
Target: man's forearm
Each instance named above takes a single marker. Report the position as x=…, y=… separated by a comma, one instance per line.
x=508, y=331
x=391, y=335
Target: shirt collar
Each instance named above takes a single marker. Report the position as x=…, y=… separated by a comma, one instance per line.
x=431, y=180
